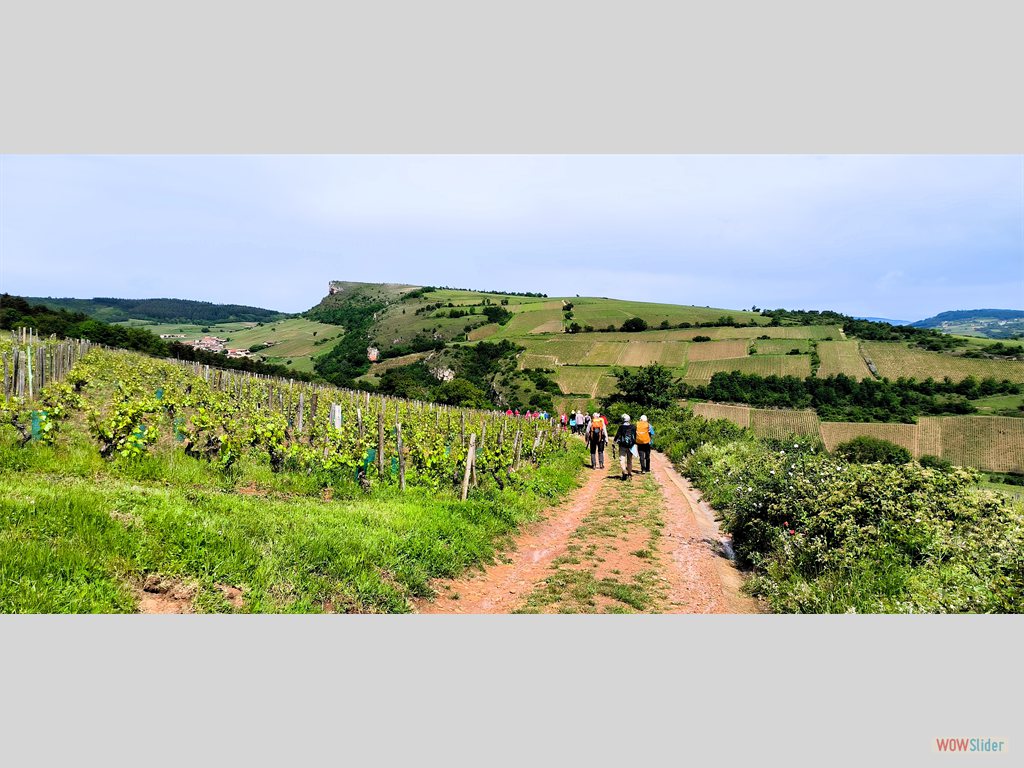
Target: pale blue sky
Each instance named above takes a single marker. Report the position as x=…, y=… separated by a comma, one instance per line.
x=892, y=236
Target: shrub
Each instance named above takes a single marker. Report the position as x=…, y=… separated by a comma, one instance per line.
x=934, y=462
x=872, y=450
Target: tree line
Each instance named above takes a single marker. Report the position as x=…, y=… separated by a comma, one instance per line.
x=17, y=312
x=834, y=398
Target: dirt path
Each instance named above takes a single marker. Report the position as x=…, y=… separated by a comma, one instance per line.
x=646, y=545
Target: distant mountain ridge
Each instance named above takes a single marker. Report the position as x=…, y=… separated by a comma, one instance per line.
x=111, y=310
x=989, y=323
x=883, y=320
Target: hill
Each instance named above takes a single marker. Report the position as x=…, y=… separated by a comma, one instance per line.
x=405, y=339
x=990, y=323
x=111, y=310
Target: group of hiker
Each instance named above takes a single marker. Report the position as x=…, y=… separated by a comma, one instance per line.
x=631, y=440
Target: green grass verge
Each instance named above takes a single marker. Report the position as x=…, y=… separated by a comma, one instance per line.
x=78, y=535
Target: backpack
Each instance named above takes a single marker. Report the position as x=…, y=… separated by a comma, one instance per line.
x=626, y=435
x=643, y=432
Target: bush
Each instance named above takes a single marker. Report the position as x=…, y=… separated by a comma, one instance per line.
x=634, y=324
x=934, y=462
x=872, y=450
x=702, y=338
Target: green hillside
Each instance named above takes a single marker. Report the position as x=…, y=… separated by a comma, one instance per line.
x=988, y=323
x=568, y=347
x=159, y=310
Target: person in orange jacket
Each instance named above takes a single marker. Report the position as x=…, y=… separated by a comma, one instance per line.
x=644, y=439
x=597, y=438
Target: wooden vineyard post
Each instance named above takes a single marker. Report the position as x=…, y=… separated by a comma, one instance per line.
x=462, y=430
x=401, y=457
x=380, y=440
x=501, y=436
x=312, y=416
x=298, y=418
x=470, y=460
x=518, y=448
x=359, y=423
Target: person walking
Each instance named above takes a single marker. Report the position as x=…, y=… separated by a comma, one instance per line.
x=644, y=440
x=597, y=438
x=625, y=439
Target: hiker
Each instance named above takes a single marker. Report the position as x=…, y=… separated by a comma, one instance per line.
x=644, y=439
x=597, y=437
x=572, y=424
x=625, y=439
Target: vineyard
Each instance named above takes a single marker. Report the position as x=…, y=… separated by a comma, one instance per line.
x=779, y=423
x=842, y=357
x=309, y=497
x=990, y=443
x=718, y=350
x=896, y=360
x=763, y=365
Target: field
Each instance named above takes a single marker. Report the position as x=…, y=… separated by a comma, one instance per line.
x=637, y=353
x=834, y=433
x=782, y=346
x=294, y=339
x=895, y=360
x=780, y=423
x=717, y=350
x=737, y=414
x=580, y=380
x=842, y=357
x=1000, y=405
x=763, y=365
x=162, y=487
x=993, y=444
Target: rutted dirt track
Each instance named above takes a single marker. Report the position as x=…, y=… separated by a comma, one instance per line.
x=646, y=545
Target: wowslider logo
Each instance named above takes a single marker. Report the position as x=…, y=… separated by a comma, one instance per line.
x=975, y=745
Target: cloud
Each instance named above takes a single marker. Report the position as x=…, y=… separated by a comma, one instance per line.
x=877, y=235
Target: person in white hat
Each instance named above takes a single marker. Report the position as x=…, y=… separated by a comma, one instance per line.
x=625, y=439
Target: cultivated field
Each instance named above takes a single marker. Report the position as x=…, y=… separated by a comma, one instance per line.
x=717, y=350
x=894, y=360
x=995, y=443
x=781, y=346
x=780, y=423
x=640, y=353
x=579, y=380
x=763, y=365
x=990, y=443
x=833, y=433
x=737, y=414
x=842, y=357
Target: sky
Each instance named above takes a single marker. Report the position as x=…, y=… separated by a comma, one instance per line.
x=894, y=236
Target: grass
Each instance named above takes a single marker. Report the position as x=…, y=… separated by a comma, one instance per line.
x=1000, y=405
x=78, y=534
x=579, y=578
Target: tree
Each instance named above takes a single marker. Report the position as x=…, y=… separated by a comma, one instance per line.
x=651, y=386
x=634, y=324
x=462, y=393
